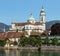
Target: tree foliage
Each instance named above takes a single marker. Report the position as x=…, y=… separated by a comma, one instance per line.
x=23, y=41
x=2, y=43
x=47, y=41
x=55, y=41
x=32, y=41
x=55, y=29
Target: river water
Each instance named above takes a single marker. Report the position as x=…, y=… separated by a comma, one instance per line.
x=28, y=53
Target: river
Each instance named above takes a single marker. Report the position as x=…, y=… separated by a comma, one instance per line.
x=28, y=53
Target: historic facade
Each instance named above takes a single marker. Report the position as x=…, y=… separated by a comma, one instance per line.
x=31, y=27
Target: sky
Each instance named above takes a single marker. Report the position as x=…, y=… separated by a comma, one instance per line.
x=19, y=10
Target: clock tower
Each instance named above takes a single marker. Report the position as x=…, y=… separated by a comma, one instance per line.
x=42, y=15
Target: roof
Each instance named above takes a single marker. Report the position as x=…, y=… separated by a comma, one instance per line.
x=35, y=33
x=27, y=23
x=2, y=35
x=38, y=23
x=10, y=35
x=22, y=24
x=15, y=34
x=45, y=33
x=18, y=34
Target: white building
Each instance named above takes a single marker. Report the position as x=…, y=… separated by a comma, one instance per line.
x=31, y=25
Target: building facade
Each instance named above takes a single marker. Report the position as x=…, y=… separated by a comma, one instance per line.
x=31, y=26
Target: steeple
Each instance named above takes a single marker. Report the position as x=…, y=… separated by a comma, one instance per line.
x=42, y=15
x=42, y=10
x=31, y=15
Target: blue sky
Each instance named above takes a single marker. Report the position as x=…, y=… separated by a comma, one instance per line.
x=19, y=10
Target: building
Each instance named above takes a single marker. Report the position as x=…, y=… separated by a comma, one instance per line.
x=31, y=26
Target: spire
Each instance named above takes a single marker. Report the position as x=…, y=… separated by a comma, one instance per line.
x=42, y=7
x=31, y=15
x=42, y=10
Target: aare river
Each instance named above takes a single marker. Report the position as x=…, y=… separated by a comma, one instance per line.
x=28, y=53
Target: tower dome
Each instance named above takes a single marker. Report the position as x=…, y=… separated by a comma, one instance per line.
x=31, y=19
x=42, y=13
x=42, y=10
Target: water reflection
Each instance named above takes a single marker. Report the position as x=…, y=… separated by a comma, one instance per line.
x=12, y=52
x=2, y=53
x=28, y=53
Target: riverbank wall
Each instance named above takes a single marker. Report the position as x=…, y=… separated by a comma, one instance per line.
x=43, y=48
x=50, y=48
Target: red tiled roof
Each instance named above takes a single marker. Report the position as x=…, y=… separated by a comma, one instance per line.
x=45, y=32
x=36, y=33
x=18, y=34
x=15, y=34
x=10, y=34
x=2, y=35
x=24, y=33
x=38, y=23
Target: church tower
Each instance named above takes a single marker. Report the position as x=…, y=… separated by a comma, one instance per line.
x=42, y=15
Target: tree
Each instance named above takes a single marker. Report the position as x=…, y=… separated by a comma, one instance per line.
x=55, y=29
x=47, y=41
x=35, y=41
x=2, y=43
x=23, y=41
x=39, y=41
x=32, y=41
x=55, y=41
x=6, y=40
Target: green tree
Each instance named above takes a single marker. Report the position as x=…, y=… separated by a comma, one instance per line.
x=32, y=41
x=38, y=41
x=35, y=41
x=2, y=43
x=6, y=40
x=23, y=41
x=47, y=41
x=55, y=41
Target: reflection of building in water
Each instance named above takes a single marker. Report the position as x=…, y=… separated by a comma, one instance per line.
x=7, y=52
x=29, y=54
x=12, y=52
